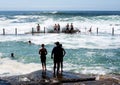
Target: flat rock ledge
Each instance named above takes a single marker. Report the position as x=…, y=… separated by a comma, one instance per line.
x=66, y=78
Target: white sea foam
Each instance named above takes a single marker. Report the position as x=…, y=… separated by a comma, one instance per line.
x=12, y=67
x=78, y=41
x=86, y=70
x=54, y=12
x=25, y=23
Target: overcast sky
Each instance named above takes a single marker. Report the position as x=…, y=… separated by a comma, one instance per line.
x=60, y=5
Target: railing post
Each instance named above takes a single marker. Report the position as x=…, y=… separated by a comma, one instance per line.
x=113, y=31
x=32, y=31
x=15, y=31
x=44, y=29
x=3, y=31
x=97, y=30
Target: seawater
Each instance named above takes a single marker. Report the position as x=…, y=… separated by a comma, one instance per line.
x=85, y=53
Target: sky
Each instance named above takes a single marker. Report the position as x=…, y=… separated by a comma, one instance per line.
x=109, y=5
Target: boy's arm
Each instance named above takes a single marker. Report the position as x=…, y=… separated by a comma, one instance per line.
x=39, y=51
x=64, y=52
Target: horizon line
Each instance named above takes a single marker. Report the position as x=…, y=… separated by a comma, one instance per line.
x=59, y=10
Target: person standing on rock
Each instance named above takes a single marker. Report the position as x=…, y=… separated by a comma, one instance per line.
x=38, y=28
x=62, y=54
x=57, y=55
x=43, y=53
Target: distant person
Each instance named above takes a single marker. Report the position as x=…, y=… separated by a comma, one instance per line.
x=67, y=27
x=63, y=52
x=12, y=55
x=71, y=27
x=55, y=55
x=90, y=30
x=58, y=27
x=43, y=53
x=29, y=42
x=55, y=27
x=38, y=28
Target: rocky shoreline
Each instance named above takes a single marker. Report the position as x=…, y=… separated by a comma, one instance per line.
x=66, y=78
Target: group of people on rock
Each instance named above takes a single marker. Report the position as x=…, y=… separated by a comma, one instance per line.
x=57, y=55
x=57, y=27
x=69, y=28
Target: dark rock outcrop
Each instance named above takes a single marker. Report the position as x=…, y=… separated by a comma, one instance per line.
x=47, y=78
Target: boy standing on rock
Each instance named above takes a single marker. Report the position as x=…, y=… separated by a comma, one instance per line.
x=43, y=53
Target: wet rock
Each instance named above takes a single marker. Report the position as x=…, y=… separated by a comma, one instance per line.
x=66, y=78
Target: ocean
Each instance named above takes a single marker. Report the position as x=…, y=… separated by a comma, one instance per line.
x=86, y=53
